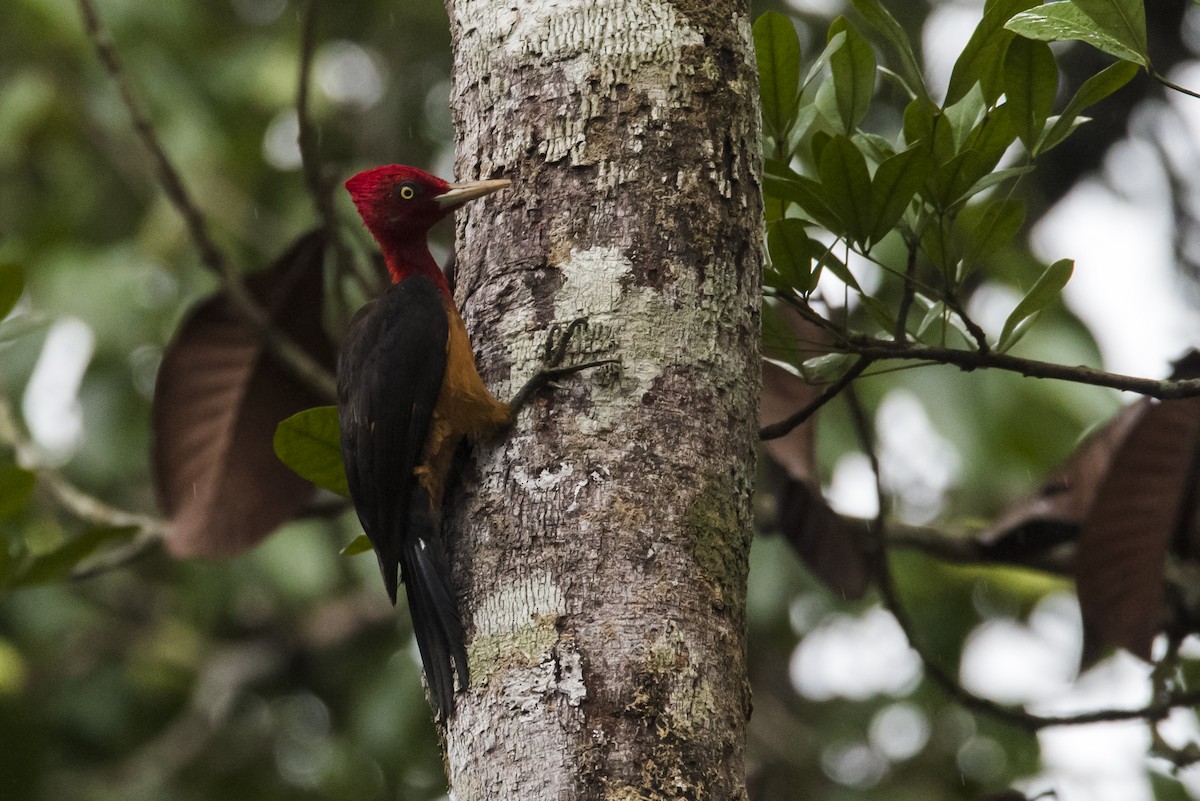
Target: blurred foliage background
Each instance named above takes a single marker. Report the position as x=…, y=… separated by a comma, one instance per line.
x=284, y=673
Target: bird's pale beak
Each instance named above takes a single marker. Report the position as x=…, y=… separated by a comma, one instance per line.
x=468, y=190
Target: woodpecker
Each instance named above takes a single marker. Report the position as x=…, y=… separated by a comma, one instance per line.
x=409, y=392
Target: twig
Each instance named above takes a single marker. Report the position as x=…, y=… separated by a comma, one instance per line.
x=172, y=184
x=977, y=333
x=907, y=292
x=289, y=354
x=883, y=350
x=782, y=427
x=964, y=549
x=310, y=157
x=93, y=510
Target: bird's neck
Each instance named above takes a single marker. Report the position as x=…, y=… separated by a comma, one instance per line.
x=409, y=257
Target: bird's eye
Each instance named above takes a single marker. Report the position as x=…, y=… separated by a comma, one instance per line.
x=406, y=190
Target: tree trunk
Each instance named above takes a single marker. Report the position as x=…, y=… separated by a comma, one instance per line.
x=601, y=546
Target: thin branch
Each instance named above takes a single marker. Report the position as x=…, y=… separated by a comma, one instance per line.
x=172, y=184
x=907, y=292
x=977, y=333
x=91, y=509
x=290, y=355
x=117, y=558
x=805, y=310
x=779, y=429
x=963, y=548
x=310, y=157
x=883, y=350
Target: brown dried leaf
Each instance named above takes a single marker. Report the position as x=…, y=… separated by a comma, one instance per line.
x=217, y=401
x=1127, y=533
x=819, y=535
x=783, y=394
x=1054, y=513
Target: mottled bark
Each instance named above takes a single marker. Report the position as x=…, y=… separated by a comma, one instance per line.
x=601, y=547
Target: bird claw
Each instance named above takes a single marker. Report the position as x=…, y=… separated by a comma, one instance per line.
x=554, y=352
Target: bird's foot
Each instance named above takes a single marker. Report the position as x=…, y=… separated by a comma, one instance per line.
x=555, y=350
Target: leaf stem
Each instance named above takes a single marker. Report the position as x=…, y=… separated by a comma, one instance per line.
x=1158, y=76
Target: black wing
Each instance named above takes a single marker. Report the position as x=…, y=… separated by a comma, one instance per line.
x=389, y=378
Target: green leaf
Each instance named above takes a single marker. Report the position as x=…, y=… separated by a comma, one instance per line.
x=1123, y=20
x=777, y=49
x=833, y=44
x=992, y=136
x=819, y=140
x=1094, y=89
x=965, y=115
x=942, y=245
x=1030, y=83
x=882, y=313
x=16, y=487
x=778, y=338
x=886, y=25
x=924, y=121
x=791, y=254
x=998, y=224
x=982, y=59
x=828, y=368
x=12, y=284
x=783, y=183
x=57, y=564
x=828, y=261
x=953, y=182
x=898, y=81
x=853, y=68
x=938, y=322
x=806, y=118
x=359, y=544
x=825, y=101
x=1044, y=290
x=919, y=116
x=875, y=147
x=1056, y=22
x=846, y=186
x=896, y=181
x=310, y=444
x=995, y=177
x=935, y=312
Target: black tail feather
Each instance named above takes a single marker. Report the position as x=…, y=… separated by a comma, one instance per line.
x=439, y=632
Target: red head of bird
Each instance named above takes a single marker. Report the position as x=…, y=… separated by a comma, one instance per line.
x=400, y=204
